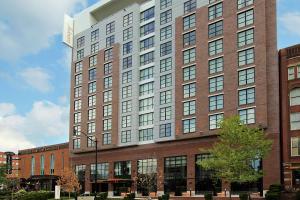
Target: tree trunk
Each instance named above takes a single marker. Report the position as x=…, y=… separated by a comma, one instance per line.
x=69, y=195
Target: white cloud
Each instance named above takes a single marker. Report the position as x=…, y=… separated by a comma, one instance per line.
x=37, y=78
x=28, y=26
x=291, y=22
x=6, y=109
x=45, y=123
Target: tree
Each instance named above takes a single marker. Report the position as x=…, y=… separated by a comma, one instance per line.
x=147, y=182
x=234, y=153
x=69, y=181
x=3, y=178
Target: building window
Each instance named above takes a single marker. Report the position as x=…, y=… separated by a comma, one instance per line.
x=147, y=14
x=146, y=73
x=146, y=119
x=246, y=57
x=127, y=19
x=146, y=134
x=190, y=6
x=110, y=28
x=127, y=34
x=189, y=90
x=246, y=76
x=127, y=77
x=76, y=143
x=189, y=22
x=215, y=29
x=245, y=18
x=165, y=113
x=189, y=108
x=77, y=92
x=295, y=97
x=92, y=100
x=127, y=62
x=147, y=58
x=107, y=96
x=166, y=48
x=125, y=136
x=189, y=73
x=166, y=81
x=77, y=130
x=291, y=73
x=106, y=138
x=78, y=67
x=122, y=169
x=165, y=97
x=147, y=29
x=295, y=146
x=108, y=54
x=95, y=35
x=126, y=92
x=103, y=171
x=92, y=114
x=165, y=17
x=92, y=87
x=107, y=124
x=91, y=127
x=147, y=44
x=42, y=165
x=189, y=39
x=247, y=96
x=146, y=88
x=91, y=141
x=126, y=106
x=107, y=82
x=215, y=120
x=147, y=166
x=215, y=47
x=95, y=48
x=107, y=110
x=146, y=104
x=165, y=130
x=216, y=84
x=245, y=37
x=110, y=41
x=295, y=121
x=77, y=118
x=93, y=61
x=92, y=74
x=189, y=56
x=244, y=3
x=107, y=68
x=216, y=65
x=165, y=64
x=247, y=116
x=216, y=102
x=166, y=32
x=126, y=121
x=80, y=54
x=77, y=104
x=165, y=4
x=80, y=42
x=189, y=125
x=215, y=11
x=52, y=164
x=127, y=48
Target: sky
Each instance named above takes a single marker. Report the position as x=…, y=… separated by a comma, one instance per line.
x=35, y=68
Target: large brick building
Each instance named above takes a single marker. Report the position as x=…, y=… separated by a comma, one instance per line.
x=42, y=166
x=289, y=59
x=151, y=79
x=12, y=163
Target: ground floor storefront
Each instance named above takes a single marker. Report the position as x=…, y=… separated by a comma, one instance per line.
x=291, y=175
x=166, y=167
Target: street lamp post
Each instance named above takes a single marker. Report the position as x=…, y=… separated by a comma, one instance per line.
x=96, y=156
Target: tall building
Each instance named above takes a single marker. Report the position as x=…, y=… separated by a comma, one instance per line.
x=151, y=79
x=40, y=167
x=289, y=59
x=12, y=164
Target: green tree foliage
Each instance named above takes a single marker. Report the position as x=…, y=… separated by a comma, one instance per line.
x=3, y=174
x=233, y=154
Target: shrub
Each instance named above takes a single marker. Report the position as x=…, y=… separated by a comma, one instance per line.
x=164, y=197
x=130, y=196
x=208, y=196
x=272, y=196
x=275, y=188
x=40, y=195
x=244, y=196
x=102, y=196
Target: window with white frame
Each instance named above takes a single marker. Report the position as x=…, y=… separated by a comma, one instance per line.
x=189, y=73
x=77, y=130
x=77, y=104
x=92, y=74
x=215, y=47
x=80, y=54
x=189, y=107
x=216, y=102
x=80, y=42
x=126, y=136
x=107, y=68
x=215, y=29
x=91, y=127
x=91, y=114
x=91, y=141
x=189, y=90
x=95, y=48
x=78, y=67
x=146, y=134
x=189, y=22
x=246, y=96
x=92, y=87
x=107, y=110
x=106, y=138
x=108, y=54
x=166, y=64
x=216, y=84
x=77, y=117
x=295, y=97
x=78, y=79
x=165, y=113
x=107, y=96
x=216, y=65
x=246, y=37
x=127, y=19
x=127, y=77
x=146, y=104
x=126, y=91
x=247, y=116
x=166, y=81
x=77, y=92
x=244, y=3
x=189, y=125
x=215, y=120
x=189, y=56
x=215, y=11
x=246, y=76
x=295, y=121
x=146, y=119
x=126, y=121
x=146, y=73
x=127, y=33
x=107, y=123
x=165, y=97
x=92, y=100
x=246, y=57
x=126, y=106
x=95, y=35
x=246, y=18
x=146, y=89
x=107, y=82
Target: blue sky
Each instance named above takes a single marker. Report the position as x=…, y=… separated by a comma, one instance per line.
x=35, y=67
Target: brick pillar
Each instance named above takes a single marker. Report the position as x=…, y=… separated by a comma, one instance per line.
x=87, y=180
x=134, y=176
x=191, y=174
x=160, y=176
x=110, y=176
